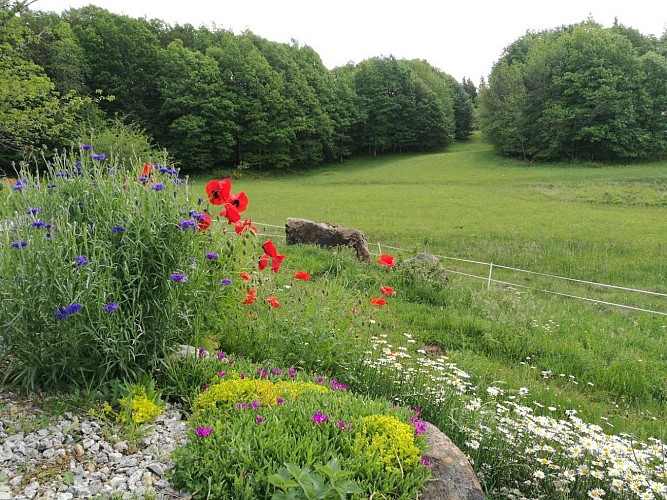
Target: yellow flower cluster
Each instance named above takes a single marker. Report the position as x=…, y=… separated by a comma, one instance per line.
x=388, y=441
x=142, y=409
x=226, y=393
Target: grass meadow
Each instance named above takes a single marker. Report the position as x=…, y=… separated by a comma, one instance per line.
x=586, y=221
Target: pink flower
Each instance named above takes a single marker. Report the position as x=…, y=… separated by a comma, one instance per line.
x=320, y=418
x=203, y=431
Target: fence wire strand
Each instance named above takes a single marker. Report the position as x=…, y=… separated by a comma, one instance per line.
x=492, y=266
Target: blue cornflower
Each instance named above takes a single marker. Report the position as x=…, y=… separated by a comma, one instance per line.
x=143, y=178
x=186, y=224
x=81, y=260
x=51, y=186
x=158, y=187
x=17, y=186
x=178, y=180
x=87, y=147
x=38, y=223
x=197, y=216
x=118, y=229
x=33, y=211
x=61, y=313
x=73, y=308
x=15, y=244
x=98, y=156
x=225, y=282
x=78, y=164
x=182, y=278
x=60, y=175
x=19, y=244
x=211, y=256
x=64, y=312
x=110, y=307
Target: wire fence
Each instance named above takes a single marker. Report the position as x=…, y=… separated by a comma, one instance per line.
x=273, y=231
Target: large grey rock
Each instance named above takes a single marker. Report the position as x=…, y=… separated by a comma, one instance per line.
x=298, y=231
x=452, y=477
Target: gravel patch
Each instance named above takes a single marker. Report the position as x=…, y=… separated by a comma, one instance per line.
x=72, y=456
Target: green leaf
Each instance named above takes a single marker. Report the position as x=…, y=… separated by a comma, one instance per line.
x=68, y=478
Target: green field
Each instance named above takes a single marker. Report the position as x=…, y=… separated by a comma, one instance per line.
x=600, y=223
x=587, y=221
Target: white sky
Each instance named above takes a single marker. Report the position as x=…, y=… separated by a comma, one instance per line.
x=463, y=37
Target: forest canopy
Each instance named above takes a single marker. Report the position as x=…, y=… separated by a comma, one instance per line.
x=216, y=99
x=579, y=92
x=212, y=98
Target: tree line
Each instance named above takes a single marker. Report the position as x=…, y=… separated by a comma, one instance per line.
x=213, y=98
x=579, y=92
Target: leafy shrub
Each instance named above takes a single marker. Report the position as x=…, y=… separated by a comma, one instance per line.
x=103, y=271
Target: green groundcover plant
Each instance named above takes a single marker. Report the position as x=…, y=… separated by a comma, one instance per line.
x=262, y=432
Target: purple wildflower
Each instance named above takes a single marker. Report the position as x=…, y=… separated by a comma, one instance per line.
x=222, y=374
x=254, y=405
x=81, y=260
x=73, y=308
x=343, y=426
x=202, y=352
x=186, y=224
x=61, y=313
x=220, y=355
x=98, y=156
x=178, y=277
x=320, y=418
x=203, y=431
x=157, y=187
x=87, y=147
x=210, y=255
x=118, y=229
x=419, y=425
x=204, y=388
x=337, y=386
x=292, y=372
x=426, y=462
x=259, y=420
x=110, y=307
x=226, y=282
x=33, y=211
x=279, y=401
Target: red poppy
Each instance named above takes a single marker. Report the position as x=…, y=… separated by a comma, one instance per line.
x=387, y=290
x=377, y=301
x=270, y=249
x=387, y=260
x=146, y=171
x=273, y=301
x=245, y=277
x=239, y=200
x=205, y=222
x=240, y=227
x=233, y=215
x=277, y=261
x=263, y=262
x=218, y=191
x=302, y=275
x=250, y=297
